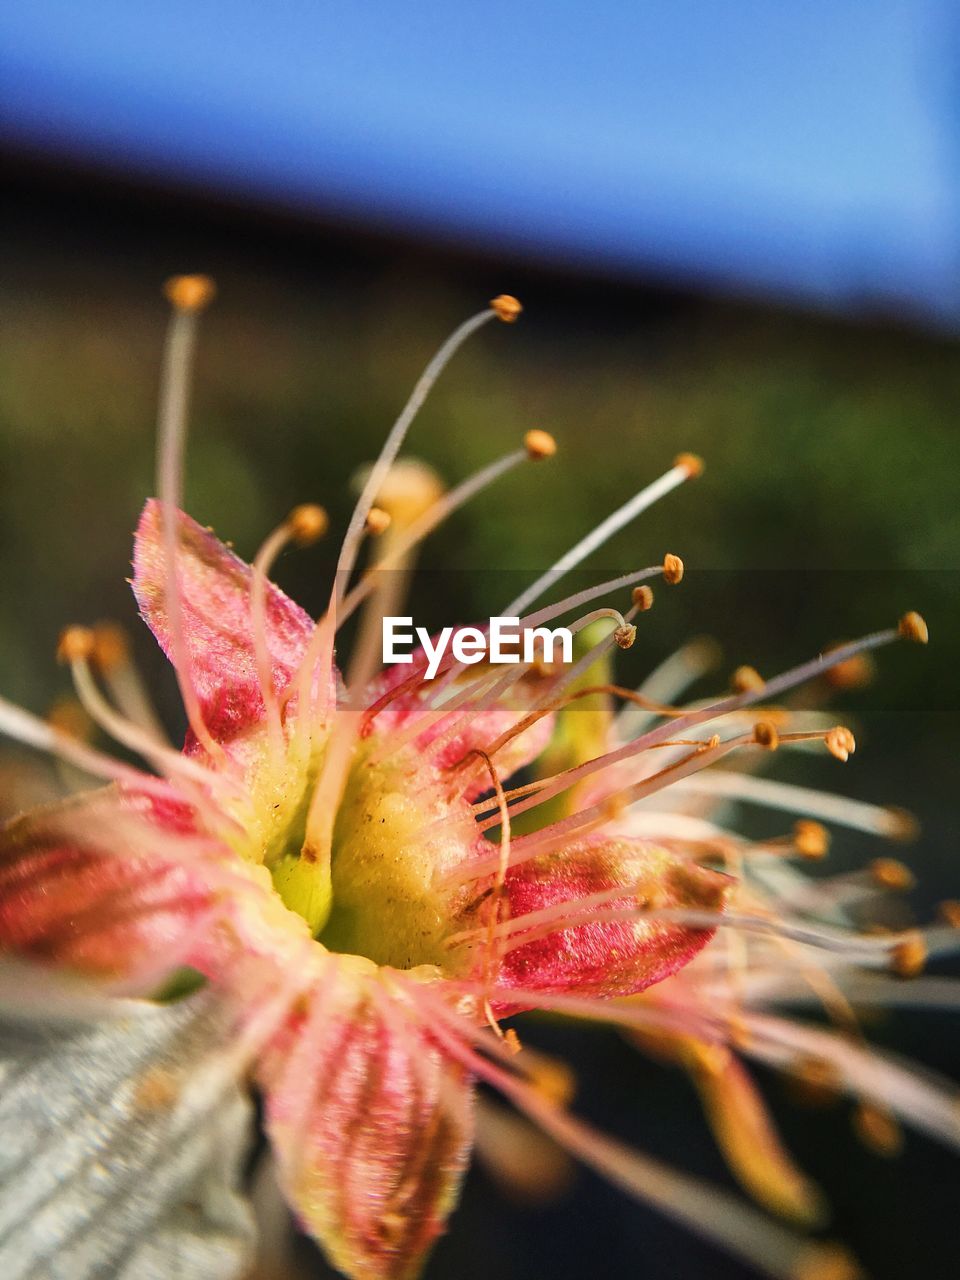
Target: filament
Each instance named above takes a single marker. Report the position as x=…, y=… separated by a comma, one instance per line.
x=171, y=439
x=678, y=473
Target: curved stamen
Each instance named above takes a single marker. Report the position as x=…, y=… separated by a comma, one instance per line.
x=188, y=296
x=303, y=526
x=787, y=680
x=895, y=824
x=711, y=1212
x=165, y=759
x=393, y=442
x=422, y=527
x=685, y=467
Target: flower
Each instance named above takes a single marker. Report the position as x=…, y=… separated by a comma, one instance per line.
x=318, y=854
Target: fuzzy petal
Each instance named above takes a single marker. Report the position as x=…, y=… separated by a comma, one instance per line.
x=608, y=958
x=215, y=590
x=370, y=1123
x=65, y=902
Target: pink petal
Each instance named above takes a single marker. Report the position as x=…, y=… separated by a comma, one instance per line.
x=215, y=594
x=370, y=1123
x=65, y=902
x=610, y=958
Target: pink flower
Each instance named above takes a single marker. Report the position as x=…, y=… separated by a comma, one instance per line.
x=318, y=854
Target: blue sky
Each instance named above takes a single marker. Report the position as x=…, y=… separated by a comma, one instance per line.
x=798, y=147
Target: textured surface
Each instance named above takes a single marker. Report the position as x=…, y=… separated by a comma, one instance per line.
x=121, y=1147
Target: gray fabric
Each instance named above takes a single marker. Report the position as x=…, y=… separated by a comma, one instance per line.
x=122, y=1140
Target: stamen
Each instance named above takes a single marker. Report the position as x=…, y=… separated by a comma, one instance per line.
x=666, y=681
x=747, y=680
x=32, y=732
x=681, y=470
x=891, y=823
x=188, y=295
x=912, y=627
x=840, y=741
x=435, y=515
x=378, y=522
x=890, y=873
x=303, y=526
x=706, y=1209
x=501, y=308
x=76, y=644
x=112, y=657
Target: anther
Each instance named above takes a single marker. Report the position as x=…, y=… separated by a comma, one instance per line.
x=854, y=673
x=75, y=644
x=625, y=635
x=506, y=307
x=949, y=913
x=642, y=597
x=890, y=873
x=877, y=1129
x=747, y=680
x=672, y=569
x=841, y=743
x=111, y=648
x=539, y=444
x=765, y=735
x=912, y=627
x=511, y=1041
x=190, y=293
x=378, y=521
x=307, y=523
x=908, y=957
x=691, y=463
x=810, y=839
x=901, y=825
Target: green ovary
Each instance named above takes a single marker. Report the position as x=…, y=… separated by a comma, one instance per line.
x=377, y=898
x=385, y=906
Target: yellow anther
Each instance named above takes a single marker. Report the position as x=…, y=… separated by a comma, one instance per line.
x=307, y=523
x=949, y=912
x=553, y=1080
x=642, y=597
x=912, y=627
x=810, y=839
x=909, y=956
x=890, y=873
x=827, y=1262
x=511, y=1041
x=68, y=715
x=841, y=743
x=765, y=735
x=747, y=680
x=691, y=463
x=625, y=635
x=877, y=1129
x=111, y=648
x=506, y=307
x=190, y=293
x=901, y=825
x=378, y=521
x=75, y=644
x=672, y=569
x=852, y=673
x=539, y=444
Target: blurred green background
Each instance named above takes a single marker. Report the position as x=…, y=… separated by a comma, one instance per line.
x=828, y=507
